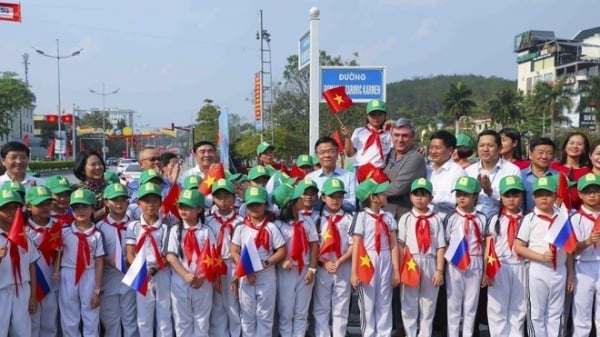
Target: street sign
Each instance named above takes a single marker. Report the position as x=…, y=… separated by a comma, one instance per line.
x=304, y=50
x=362, y=83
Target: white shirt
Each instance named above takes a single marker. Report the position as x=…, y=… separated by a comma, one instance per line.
x=6, y=267
x=287, y=230
x=371, y=154
x=505, y=254
x=71, y=244
x=204, y=235
x=215, y=225
x=343, y=227
x=346, y=177
x=583, y=229
x=407, y=232
x=28, y=182
x=365, y=227
x=533, y=230
x=193, y=171
x=443, y=180
x=160, y=234
x=455, y=231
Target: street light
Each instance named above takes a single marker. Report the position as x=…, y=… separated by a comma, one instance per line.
x=104, y=94
x=58, y=57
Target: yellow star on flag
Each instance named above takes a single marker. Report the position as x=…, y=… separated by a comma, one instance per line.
x=210, y=180
x=411, y=264
x=207, y=261
x=365, y=261
x=491, y=260
x=217, y=261
x=327, y=235
x=54, y=236
x=339, y=99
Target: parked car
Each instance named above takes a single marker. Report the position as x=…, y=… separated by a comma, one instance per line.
x=111, y=161
x=123, y=163
x=131, y=172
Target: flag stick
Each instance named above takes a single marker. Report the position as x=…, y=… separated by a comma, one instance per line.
x=339, y=120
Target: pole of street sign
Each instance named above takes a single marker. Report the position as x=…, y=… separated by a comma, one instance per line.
x=315, y=79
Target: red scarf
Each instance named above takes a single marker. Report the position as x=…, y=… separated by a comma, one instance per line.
x=589, y=217
x=470, y=218
x=332, y=229
x=423, y=232
x=225, y=226
x=552, y=247
x=119, y=227
x=84, y=256
x=147, y=233
x=15, y=259
x=380, y=226
x=262, y=237
x=299, y=244
x=190, y=244
x=374, y=138
x=511, y=230
x=45, y=247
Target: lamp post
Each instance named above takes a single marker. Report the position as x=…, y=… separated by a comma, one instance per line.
x=58, y=57
x=104, y=94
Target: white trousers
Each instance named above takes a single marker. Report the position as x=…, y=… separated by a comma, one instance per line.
x=119, y=310
x=14, y=311
x=547, y=296
x=375, y=299
x=44, y=321
x=75, y=302
x=418, y=304
x=293, y=297
x=225, y=314
x=331, y=297
x=156, y=304
x=507, y=304
x=463, y=297
x=257, y=304
x=191, y=307
x=587, y=289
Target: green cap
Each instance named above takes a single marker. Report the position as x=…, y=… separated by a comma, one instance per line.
x=223, y=184
x=191, y=182
x=83, y=196
x=258, y=171
x=148, y=175
x=464, y=140
x=547, y=183
x=14, y=186
x=468, y=185
x=238, y=178
x=304, y=160
x=369, y=187
x=315, y=159
x=282, y=194
x=284, y=178
x=148, y=188
x=302, y=186
x=111, y=177
x=376, y=105
x=255, y=195
x=7, y=196
x=58, y=184
x=333, y=185
x=588, y=180
x=113, y=191
x=421, y=183
x=511, y=183
x=262, y=147
x=192, y=198
x=37, y=195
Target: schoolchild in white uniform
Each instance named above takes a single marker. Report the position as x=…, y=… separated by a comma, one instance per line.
x=257, y=291
x=307, y=199
x=225, y=314
x=506, y=300
x=61, y=192
x=134, y=211
x=550, y=269
x=296, y=273
x=421, y=231
x=40, y=229
x=377, y=230
x=148, y=235
x=370, y=143
x=190, y=244
x=258, y=176
x=118, y=307
x=463, y=274
x=17, y=272
x=81, y=269
x=587, y=257
x=332, y=285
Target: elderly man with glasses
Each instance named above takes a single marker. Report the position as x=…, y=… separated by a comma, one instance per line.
x=150, y=158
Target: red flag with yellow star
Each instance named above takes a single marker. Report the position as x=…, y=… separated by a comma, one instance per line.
x=337, y=99
x=215, y=173
x=492, y=264
x=51, y=241
x=17, y=235
x=364, y=268
x=219, y=265
x=409, y=274
x=205, y=262
x=169, y=204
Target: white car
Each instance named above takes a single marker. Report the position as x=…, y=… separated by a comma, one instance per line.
x=131, y=172
x=123, y=163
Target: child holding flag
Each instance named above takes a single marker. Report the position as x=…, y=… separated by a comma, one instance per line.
x=374, y=235
x=550, y=268
x=118, y=308
x=586, y=224
x=504, y=269
x=45, y=233
x=332, y=284
x=465, y=257
x=81, y=269
x=422, y=246
x=256, y=246
x=189, y=254
x=225, y=314
x=148, y=236
x=17, y=269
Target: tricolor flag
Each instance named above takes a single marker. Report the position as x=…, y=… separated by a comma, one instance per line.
x=493, y=263
x=458, y=254
x=409, y=274
x=120, y=258
x=43, y=273
x=561, y=233
x=10, y=12
x=137, y=275
x=249, y=260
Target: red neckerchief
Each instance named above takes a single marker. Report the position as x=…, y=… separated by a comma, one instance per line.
x=589, y=217
x=119, y=226
x=84, y=256
x=190, y=244
x=552, y=247
x=147, y=233
x=374, y=139
x=332, y=229
x=470, y=218
x=48, y=244
x=423, y=231
x=262, y=237
x=300, y=244
x=15, y=259
x=511, y=230
x=226, y=225
x=380, y=226
x=306, y=213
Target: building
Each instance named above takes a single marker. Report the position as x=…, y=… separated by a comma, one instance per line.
x=114, y=115
x=541, y=56
x=21, y=127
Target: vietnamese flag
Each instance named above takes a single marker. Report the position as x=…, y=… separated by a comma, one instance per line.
x=337, y=99
x=17, y=235
x=296, y=172
x=369, y=170
x=205, y=262
x=331, y=238
x=409, y=274
x=10, y=12
x=364, y=268
x=219, y=265
x=50, y=152
x=338, y=139
x=51, y=241
x=562, y=191
x=169, y=204
x=215, y=173
x=492, y=263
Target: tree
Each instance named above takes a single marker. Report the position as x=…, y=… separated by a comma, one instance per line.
x=207, y=122
x=590, y=98
x=549, y=99
x=14, y=96
x=458, y=102
x=505, y=107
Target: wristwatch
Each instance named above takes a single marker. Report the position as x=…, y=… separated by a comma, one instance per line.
x=266, y=263
x=99, y=292
x=314, y=270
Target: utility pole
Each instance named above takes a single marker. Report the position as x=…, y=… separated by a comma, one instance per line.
x=26, y=65
x=104, y=94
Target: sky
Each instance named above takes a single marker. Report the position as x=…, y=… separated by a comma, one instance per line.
x=167, y=57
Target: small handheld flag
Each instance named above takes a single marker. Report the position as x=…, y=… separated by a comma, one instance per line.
x=137, y=275
x=364, y=269
x=215, y=173
x=561, y=233
x=10, y=12
x=493, y=263
x=458, y=254
x=337, y=99
x=409, y=274
x=249, y=260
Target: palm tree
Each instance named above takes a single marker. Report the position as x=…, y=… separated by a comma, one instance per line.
x=590, y=98
x=549, y=99
x=457, y=102
x=505, y=107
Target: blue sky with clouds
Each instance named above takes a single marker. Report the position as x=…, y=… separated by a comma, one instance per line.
x=166, y=57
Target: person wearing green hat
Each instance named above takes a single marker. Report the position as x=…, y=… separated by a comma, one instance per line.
x=191, y=182
x=305, y=163
x=256, y=290
x=111, y=177
x=308, y=192
x=371, y=143
x=14, y=186
x=80, y=275
x=465, y=147
x=61, y=192
x=266, y=158
x=258, y=176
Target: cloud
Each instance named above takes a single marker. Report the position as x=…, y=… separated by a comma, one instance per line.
x=373, y=54
x=421, y=3
x=425, y=29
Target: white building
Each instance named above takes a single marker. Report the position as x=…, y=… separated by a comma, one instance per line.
x=114, y=115
x=20, y=127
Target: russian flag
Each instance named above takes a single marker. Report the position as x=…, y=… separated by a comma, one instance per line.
x=249, y=260
x=561, y=233
x=458, y=254
x=42, y=285
x=137, y=275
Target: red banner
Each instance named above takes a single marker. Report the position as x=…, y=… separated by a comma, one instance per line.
x=10, y=12
x=257, y=97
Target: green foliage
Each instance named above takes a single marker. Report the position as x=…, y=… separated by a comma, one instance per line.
x=48, y=166
x=590, y=98
x=549, y=99
x=94, y=120
x=207, y=122
x=506, y=107
x=14, y=96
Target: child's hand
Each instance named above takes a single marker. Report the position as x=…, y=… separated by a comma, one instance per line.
x=548, y=256
x=235, y=287
x=354, y=281
x=33, y=304
x=438, y=278
x=486, y=282
x=570, y=284
x=345, y=131
x=198, y=281
x=189, y=278
x=287, y=265
x=251, y=279
x=310, y=277
x=331, y=267
x=2, y=252
x=95, y=301
x=56, y=276
x=395, y=278
x=595, y=237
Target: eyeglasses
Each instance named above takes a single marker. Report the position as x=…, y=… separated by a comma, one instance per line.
x=324, y=152
x=151, y=159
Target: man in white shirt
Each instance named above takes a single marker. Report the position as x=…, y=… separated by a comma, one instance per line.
x=15, y=158
x=205, y=154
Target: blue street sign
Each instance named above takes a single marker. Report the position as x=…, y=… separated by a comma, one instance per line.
x=362, y=83
x=304, y=50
